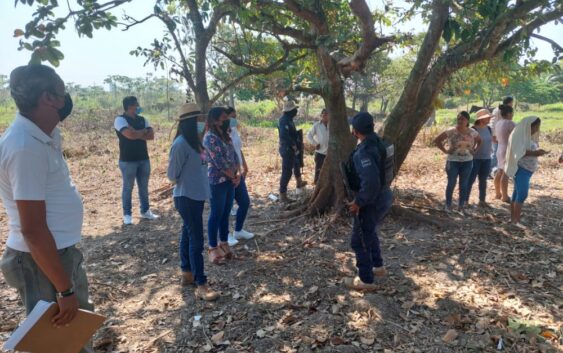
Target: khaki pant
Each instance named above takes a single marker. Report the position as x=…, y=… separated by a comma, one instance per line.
x=22, y=273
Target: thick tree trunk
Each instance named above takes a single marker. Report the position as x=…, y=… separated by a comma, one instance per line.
x=330, y=189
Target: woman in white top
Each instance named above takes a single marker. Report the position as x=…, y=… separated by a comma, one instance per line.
x=241, y=192
x=522, y=161
x=503, y=129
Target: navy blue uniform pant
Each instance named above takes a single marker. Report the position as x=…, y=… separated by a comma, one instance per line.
x=290, y=165
x=365, y=242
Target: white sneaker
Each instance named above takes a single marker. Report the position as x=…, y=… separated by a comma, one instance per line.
x=243, y=234
x=127, y=219
x=234, y=211
x=232, y=240
x=149, y=215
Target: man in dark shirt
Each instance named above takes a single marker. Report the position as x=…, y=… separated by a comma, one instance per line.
x=289, y=149
x=372, y=202
x=133, y=132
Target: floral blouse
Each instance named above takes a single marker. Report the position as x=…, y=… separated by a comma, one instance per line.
x=461, y=144
x=221, y=156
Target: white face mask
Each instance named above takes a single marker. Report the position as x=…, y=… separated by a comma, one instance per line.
x=200, y=127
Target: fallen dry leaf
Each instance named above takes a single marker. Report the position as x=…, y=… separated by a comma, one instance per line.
x=450, y=336
x=217, y=338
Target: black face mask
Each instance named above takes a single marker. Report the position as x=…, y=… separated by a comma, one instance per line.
x=225, y=126
x=66, y=109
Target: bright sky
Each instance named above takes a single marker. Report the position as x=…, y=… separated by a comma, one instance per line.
x=88, y=61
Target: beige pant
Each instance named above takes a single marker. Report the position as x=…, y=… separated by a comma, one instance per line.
x=22, y=273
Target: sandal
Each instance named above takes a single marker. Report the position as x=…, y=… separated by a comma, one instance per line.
x=216, y=256
x=228, y=254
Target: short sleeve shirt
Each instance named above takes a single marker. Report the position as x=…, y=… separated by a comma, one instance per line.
x=461, y=144
x=530, y=163
x=32, y=168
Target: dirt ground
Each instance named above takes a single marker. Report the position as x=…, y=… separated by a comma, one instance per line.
x=463, y=284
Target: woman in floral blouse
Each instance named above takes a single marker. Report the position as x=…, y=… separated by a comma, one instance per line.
x=223, y=166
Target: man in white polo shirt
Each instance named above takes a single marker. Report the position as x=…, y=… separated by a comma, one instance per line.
x=44, y=208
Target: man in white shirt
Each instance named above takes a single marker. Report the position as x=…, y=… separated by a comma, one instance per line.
x=318, y=136
x=44, y=208
x=496, y=118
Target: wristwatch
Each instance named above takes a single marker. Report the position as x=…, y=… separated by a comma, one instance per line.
x=66, y=293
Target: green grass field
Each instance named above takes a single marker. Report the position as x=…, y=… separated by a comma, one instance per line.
x=550, y=114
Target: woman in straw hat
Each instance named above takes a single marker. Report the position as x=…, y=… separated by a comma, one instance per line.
x=522, y=161
x=187, y=168
x=482, y=157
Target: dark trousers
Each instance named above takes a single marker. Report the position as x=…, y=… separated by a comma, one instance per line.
x=481, y=168
x=455, y=170
x=222, y=197
x=319, y=160
x=365, y=242
x=191, y=240
x=290, y=165
x=243, y=202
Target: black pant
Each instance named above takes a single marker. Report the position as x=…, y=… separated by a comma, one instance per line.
x=290, y=165
x=319, y=160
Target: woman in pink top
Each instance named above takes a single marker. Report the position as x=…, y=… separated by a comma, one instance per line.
x=503, y=128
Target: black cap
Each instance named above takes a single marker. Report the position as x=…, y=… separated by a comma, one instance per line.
x=363, y=123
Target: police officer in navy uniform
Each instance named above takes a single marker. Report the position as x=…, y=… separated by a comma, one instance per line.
x=289, y=149
x=371, y=203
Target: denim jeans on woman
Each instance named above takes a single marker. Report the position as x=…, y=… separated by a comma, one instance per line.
x=222, y=197
x=243, y=202
x=191, y=241
x=131, y=171
x=521, y=185
x=481, y=168
x=455, y=170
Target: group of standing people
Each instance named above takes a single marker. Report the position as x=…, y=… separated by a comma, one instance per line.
x=493, y=144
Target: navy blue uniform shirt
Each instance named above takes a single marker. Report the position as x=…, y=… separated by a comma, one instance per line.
x=367, y=163
x=287, y=133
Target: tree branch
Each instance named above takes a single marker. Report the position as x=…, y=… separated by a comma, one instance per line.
x=134, y=22
x=309, y=16
x=557, y=48
x=370, y=40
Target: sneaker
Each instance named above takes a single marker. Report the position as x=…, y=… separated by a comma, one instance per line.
x=357, y=284
x=149, y=215
x=234, y=211
x=243, y=234
x=127, y=219
x=232, y=240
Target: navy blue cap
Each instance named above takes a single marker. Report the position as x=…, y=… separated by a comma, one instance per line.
x=363, y=123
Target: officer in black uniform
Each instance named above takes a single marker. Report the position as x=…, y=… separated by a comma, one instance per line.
x=289, y=149
x=371, y=203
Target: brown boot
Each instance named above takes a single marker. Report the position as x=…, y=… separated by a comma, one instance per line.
x=284, y=198
x=300, y=182
x=216, y=256
x=379, y=272
x=187, y=278
x=357, y=284
x=206, y=293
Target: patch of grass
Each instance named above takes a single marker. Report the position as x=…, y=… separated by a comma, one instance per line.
x=6, y=118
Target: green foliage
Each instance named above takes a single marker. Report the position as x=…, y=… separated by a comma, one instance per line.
x=261, y=110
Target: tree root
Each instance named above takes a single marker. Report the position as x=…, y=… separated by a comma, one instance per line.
x=402, y=211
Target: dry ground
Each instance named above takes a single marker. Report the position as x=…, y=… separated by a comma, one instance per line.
x=462, y=285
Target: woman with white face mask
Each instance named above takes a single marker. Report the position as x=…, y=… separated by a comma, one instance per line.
x=241, y=192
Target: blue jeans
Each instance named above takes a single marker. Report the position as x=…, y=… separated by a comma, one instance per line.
x=290, y=165
x=455, y=170
x=141, y=171
x=481, y=168
x=191, y=241
x=222, y=197
x=365, y=242
x=243, y=202
x=494, y=161
x=521, y=185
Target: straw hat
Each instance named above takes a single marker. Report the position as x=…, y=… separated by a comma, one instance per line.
x=189, y=110
x=482, y=114
x=289, y=106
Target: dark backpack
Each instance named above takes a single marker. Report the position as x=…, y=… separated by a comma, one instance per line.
x=385, y=159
